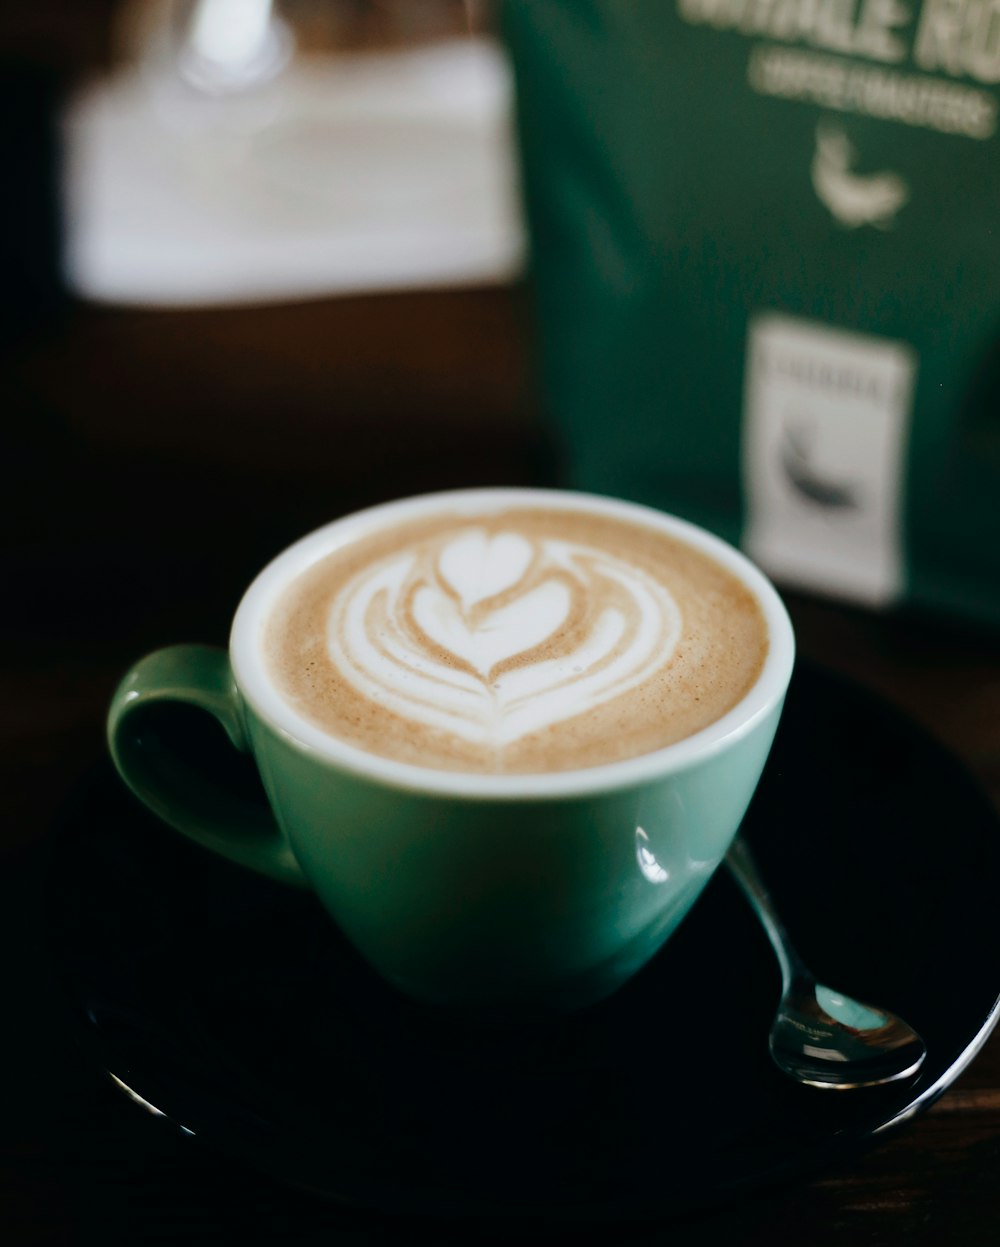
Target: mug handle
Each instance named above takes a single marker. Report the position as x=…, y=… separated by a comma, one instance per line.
x=165, y=776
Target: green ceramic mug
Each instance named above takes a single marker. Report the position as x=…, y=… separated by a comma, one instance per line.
x=532, y=891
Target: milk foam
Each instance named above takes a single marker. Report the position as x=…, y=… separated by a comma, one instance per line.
x=524, y=639
x=493, y=637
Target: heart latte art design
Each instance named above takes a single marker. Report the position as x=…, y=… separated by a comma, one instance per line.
x=495, y=636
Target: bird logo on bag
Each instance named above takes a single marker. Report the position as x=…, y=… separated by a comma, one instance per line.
x=854, y=199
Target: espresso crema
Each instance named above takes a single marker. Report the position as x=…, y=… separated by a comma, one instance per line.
x=524, y=640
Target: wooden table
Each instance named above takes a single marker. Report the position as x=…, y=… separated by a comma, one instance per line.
x=152, y=462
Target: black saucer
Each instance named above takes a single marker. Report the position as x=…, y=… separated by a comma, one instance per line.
x=233, y=1007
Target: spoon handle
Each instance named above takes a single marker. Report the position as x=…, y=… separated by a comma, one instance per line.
x=743, y=869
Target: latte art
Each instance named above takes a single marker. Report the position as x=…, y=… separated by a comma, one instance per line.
x=494, y=637
x=520, y=640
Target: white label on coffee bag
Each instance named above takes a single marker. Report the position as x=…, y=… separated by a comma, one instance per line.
x=826, y=414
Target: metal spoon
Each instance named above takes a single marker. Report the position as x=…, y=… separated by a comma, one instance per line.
x=822, y=1037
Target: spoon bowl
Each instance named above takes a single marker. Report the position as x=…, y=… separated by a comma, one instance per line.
x=825, y=1039
x=820, y=1037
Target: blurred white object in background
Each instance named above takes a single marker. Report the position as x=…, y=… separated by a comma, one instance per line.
x=226, y=166
x=232, y=45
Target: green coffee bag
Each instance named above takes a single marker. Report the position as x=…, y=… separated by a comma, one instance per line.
x=766, y=249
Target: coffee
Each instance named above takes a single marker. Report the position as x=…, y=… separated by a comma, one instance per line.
x=520, y=639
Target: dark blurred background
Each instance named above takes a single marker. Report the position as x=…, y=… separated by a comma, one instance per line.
x=155, y=458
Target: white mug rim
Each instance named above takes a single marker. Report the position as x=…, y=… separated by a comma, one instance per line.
x=258, y=690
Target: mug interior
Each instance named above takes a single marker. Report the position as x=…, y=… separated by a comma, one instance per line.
x=258, y=688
